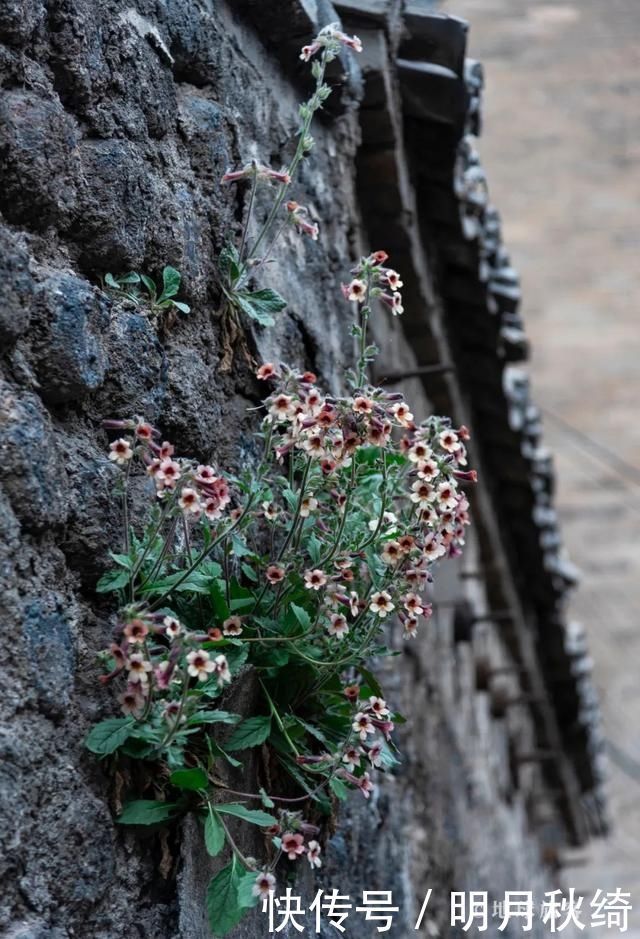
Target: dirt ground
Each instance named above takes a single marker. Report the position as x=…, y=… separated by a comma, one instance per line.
x=562, y=153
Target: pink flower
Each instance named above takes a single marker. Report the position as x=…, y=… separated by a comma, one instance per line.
x=413, y=604
x=362, y=405
x=313, y=854
x=232, y=626
x=120, y=451
x=274, y=573
x=136, y=630
x=144, y=431
x=378, y=257
x=266, y=371
x=432, y=547
x=374, y=754
x=258, y=171
x=200, y=665
x=293, y=845
x=365, y=785
x=309, y=51
x=205, y=475
x=315, y=579
x=131, y=701
x=297, y=213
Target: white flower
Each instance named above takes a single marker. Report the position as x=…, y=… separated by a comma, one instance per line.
x=308, y=505
x=313, y=854
x=449, y=441
x=419, y=452
x=351, y=757
x=381, y=603
x=423, y=493
x=223, y=675
x=413, y=604
x=138, y=668
x=378, y=706
x=427, y=469
x=338, y=626
x=389, y=518
x=315, y=579
x=410, y=627
x=433, y=547
x=356, y=290
x=232, y=626
x=391, y=553
x=447, y=497
x=374, y=754
x=171, y=627
x=200, y=664
x=362, y=725
x=402, y=414
x=189, y=501
x=264, y=885
x=282, y=407
x=120, y=451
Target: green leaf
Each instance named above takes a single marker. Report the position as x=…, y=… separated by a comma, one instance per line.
x=183, y=307
x=213, y=717
x=216, y=750
x=131, y=278
x=223, y=905
x=314, y=548
x=253, y=816
x=170, y=282
x=108, y=735
x=217, y=592
x=249, y=572
x=250, y=733
x=266, y=801
x=193, y=779
x=214, y=836
x=315, y=732
x=338, y=788
x=229, y=262
x=246, y=883
x=260, y=304
x=146, y=812
x=113, y=580
x=372, y=681
x=302, y=616
x=149, y=284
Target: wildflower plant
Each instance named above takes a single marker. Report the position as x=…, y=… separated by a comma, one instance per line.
x=239, y=265
x=143, y=291
x=287, y=575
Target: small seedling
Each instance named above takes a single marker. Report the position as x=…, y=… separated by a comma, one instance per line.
x=143, y=291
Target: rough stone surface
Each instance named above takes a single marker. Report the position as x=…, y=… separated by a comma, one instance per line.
x=117, y=123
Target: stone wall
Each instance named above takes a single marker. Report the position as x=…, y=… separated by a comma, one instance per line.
x=117, y=122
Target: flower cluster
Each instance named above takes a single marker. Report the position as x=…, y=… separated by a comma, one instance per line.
x=372, y=279
x=331, y=545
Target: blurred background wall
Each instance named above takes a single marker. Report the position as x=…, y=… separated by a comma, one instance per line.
x=561, y=150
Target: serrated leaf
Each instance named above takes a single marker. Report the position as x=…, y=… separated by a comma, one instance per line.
x=192, y=779
x=223, y=907
x=260, y=304
x=146, y=812
x=253, y=816
x=170, y=282
x=108, y=735
x=113, y=580
x=214, y=835
x=251, y=733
